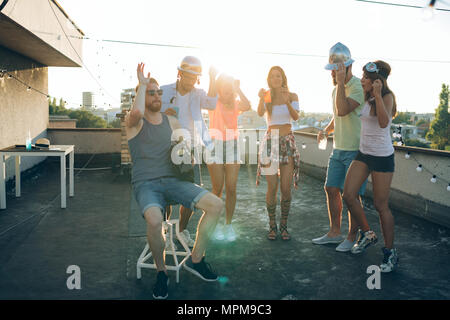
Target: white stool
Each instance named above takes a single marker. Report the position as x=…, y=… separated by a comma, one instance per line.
x=146, y=253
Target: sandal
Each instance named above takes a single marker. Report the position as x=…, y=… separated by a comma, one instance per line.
x=284, y=233
x=285, y=206
x=272, y=235
x=272, y=222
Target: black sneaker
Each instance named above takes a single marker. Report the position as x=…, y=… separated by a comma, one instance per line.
x=202, y=269
x=390, y=260
x=160, y=290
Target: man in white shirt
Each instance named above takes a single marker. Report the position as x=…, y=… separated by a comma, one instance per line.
x=182, y=100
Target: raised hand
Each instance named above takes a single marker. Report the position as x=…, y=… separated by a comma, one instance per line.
x=213, y=72
x=340, y=73
x=140, y=74
x=261, y=93
x=171, y=112
x=377, y=85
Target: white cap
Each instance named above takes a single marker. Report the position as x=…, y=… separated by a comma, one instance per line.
x=191, y=65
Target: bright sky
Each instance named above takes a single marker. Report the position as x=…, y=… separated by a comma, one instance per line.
x=232, y=35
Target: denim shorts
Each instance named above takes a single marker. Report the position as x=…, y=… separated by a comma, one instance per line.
x=167, y=191
x=377, y=164
x=338, y=165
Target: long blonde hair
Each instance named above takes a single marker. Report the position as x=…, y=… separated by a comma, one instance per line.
x=272, y=92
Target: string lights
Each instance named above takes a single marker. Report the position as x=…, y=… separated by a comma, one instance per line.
x=420, y=168
x=6, y=74
x=434, y=178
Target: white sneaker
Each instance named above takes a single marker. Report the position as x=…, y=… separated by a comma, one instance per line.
x=230, y=234
x=345, y=246
x=186, y=237
x=218, y=233
x=325, y=239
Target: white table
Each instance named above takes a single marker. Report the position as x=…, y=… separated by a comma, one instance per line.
x=53, y=151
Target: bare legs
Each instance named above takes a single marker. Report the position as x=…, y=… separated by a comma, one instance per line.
x=381, y=182
x=212, y=207
x=286, y=172
x=225, y=174
x=154, y=219
x=209, y=203
x=334, y=203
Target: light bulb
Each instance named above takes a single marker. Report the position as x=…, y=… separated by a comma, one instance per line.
x=428, y=12
x=433, y=180
x=448, y=187
x=407, y=155
x=28, y=89
x=303, y=146
x=419, y=168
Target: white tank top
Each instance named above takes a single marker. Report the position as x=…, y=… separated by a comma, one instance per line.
x=184, y=113
x=280, y=114
x=375, y=141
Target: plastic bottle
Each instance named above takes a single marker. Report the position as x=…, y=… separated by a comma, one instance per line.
x=323, y=143
x=28, y=141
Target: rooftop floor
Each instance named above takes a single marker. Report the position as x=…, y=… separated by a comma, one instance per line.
x=39, y=240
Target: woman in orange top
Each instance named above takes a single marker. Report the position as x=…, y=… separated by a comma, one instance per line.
x=223, y=129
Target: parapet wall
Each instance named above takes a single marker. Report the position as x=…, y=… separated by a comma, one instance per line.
x=411, y=191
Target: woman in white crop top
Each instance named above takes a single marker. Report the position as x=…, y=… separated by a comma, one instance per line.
x=280, y=107
x=375, y=157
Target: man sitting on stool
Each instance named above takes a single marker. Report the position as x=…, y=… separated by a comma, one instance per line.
x=154, y=183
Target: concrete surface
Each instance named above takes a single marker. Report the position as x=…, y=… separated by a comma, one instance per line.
x=39, y=240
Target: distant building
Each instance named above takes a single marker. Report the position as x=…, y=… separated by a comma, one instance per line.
x=251, y=120
x=127, y=98
x=110, y=114
x=407, y=131
x=88, y=100
x=423, y=116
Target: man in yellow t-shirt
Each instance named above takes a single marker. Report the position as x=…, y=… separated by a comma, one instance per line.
x=348, y=99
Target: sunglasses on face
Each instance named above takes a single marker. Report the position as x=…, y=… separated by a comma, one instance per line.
x=371, y=67
x=153, y=92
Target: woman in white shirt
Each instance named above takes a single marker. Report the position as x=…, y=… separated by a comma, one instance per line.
x=280, y=107
x=375, y=157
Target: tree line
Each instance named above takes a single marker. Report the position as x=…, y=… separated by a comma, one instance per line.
x=85, y=118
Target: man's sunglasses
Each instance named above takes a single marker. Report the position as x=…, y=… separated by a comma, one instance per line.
x=153, y=92
x=371, y=67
